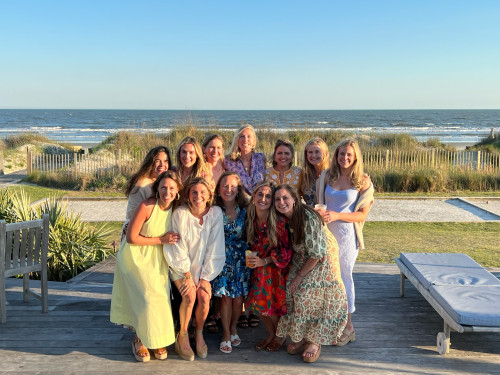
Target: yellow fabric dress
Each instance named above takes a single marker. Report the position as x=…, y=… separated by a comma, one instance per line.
x=141, y=286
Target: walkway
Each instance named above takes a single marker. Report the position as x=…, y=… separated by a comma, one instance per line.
x=384, y=209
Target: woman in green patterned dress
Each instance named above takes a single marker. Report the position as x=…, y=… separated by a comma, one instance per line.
x=315, y=295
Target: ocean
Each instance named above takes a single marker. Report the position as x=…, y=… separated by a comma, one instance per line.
x=458, y=127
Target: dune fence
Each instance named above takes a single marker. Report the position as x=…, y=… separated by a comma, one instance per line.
x=126, y=163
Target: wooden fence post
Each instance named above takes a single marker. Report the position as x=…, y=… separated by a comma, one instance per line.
x=479, y=166
x=433, y=157
x=1, y=163
x=28, y=160
x=118, y=160
x=386, y=159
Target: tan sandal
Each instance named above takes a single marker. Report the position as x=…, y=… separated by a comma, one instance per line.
x=349, y=336
x=160, y=353
x=187, y=355
x=296, y=347
x=202, y=350
x=315, y=357
x=141, y=354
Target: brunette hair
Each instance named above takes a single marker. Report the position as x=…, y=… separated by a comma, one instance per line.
x=287, y=144
x=147, y=167
x=174, y=177
x=196, y=181
x=252, y=216
x=357, y=175
x=242, y=198
x=308, y=174
x=299, y=214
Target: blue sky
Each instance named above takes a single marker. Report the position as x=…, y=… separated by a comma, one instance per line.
x=249, y=54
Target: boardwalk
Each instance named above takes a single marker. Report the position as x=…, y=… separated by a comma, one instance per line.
x=394, y=335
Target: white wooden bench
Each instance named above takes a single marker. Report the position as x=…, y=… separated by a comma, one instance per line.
x=465, y=294
x=23, y=249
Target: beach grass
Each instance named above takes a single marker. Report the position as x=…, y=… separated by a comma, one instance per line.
x=386, y=240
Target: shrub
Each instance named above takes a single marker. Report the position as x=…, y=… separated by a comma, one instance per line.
x=74, y=245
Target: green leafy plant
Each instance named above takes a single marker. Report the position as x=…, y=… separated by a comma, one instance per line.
x=74, y=245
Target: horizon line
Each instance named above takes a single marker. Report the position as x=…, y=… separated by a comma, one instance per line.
x=187, y=110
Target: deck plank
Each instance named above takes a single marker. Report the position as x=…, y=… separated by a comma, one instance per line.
x=394, y=335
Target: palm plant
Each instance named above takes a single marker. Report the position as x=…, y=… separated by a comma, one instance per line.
x=74, y=245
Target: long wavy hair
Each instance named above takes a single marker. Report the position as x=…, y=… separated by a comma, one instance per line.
x=252, y=217
x=287, y=144
x=196, y=181
x=308, y=173
x=234, y=152
x=299, y=215
x=357, y=175
x=199, y=167
x=174, y=177
x=242, y=198
x=146, y=167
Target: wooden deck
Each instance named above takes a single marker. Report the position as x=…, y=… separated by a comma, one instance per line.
x=394, y=335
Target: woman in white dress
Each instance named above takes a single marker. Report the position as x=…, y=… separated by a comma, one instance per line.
x=195, y=260
x=348, y=195
x=141, y=283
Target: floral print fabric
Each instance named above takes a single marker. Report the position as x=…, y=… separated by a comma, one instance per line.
x=267, y=293
x=317, y=312
x=256, y=172
x=234, y=279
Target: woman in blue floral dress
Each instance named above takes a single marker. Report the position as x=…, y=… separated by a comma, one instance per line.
x=232, y=284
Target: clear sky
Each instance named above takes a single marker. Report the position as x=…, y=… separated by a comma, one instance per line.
x=238, y=54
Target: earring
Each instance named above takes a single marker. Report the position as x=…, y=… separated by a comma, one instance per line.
x=178, y=196
x=157, y=195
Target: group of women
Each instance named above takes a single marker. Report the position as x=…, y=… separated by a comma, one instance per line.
x=227, y=227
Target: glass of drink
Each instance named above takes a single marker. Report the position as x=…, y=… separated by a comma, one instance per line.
x=249, y=254
x=320, y=207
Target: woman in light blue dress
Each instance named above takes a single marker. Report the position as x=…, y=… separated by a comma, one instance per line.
x=348, y=195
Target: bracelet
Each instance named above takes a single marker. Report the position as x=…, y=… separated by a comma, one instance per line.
x=188, y=277
x=266, y=261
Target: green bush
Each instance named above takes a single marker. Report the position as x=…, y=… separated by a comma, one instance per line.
x=74, y=245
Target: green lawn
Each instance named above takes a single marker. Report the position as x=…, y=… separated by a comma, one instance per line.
x=385, y=240
x=39, y=192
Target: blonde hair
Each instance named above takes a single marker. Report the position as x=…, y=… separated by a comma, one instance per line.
x=199, y=167
x=252, y=215
x=357, y=175
x=308, y=174
x=234, y=152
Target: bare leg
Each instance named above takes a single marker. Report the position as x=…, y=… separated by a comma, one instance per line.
x=185, y=312
x=226, y=314
x=237, y=307
x=201, y=314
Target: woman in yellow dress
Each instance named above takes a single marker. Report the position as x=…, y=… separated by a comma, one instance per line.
x=141, y=283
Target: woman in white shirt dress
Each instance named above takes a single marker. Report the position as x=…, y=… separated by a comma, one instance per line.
x=195, y=260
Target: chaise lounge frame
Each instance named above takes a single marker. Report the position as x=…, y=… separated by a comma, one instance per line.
x=443, y=338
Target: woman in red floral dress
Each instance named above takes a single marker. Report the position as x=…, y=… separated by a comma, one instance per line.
x=267, y=295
